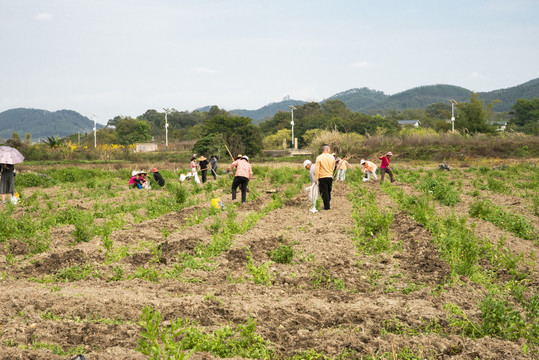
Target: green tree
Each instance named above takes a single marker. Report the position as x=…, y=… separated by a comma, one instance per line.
x=15, y=137
x=53, y=142
x=28, y=139
x=239, y=132
x=279, y=121
x=275, y=141
x=526, y=116
x=130, y=131
x=212, y=144
x=474, y=115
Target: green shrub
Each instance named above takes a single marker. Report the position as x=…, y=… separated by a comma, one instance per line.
x=441, y=189
x=25, y=180
x=283, y=254
x=516, y=224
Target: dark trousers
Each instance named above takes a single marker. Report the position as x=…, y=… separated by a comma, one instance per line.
x=383, y=172
x=204, y=173
x=242, y=182
x=214, y=173
x=324, y=186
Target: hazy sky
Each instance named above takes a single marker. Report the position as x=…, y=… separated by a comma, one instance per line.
x=122, y=57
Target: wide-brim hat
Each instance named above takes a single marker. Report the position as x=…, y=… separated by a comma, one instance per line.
x=134, y=173
x=307, y=162
x=245, y=157
x=202, y=158
x=239, y=156
x=142, y=172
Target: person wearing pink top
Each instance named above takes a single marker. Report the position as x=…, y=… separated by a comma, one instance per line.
x=385, y=168
x=244, y=172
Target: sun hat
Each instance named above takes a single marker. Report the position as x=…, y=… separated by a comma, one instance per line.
x=307, y=162
x=134, y=173
x=362, y=162
x=239, y=156
x=143, y=172
x=389, y=153
x=202, y=158
x=245, y=157
x=154, y=170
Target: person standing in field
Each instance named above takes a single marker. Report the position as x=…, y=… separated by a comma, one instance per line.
x=193, y=172
x=313, y=189
x=213, y=164
x=385, y=168
x=342, y=167
x=244, y=172
x=204, y=165
x=7, y=181
x=369, y=168
x=325, y=164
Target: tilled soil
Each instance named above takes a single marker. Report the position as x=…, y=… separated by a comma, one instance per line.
x=330, y=298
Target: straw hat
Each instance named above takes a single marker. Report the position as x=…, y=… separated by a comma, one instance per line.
x=239, y=156
x=202, y=158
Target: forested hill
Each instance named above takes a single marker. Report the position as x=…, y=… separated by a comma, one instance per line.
x=423, y=96
x=419, y=97
x=507, y=97
x=267, y=111
x=43, y=123
x=372, y=101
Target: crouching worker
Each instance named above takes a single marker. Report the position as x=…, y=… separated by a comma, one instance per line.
x=135, y=182
x=369, y=168
x=244, y=172
x=313, y=189
x=158, y=177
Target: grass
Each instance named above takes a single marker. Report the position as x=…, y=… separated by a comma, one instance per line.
x=502, y=218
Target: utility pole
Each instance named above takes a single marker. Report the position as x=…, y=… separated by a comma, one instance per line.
x=453, y=103
x=95, y=132
x=292, y=123
x=166, y=128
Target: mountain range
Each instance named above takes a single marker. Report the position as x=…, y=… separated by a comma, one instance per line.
x=42, y=123
x=371, y=102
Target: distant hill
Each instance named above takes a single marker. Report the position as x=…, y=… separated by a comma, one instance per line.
x=508, y=97
x=357, y=99
x=419, y=97
x=370, y=101
x=267, y=111
x=43, y=123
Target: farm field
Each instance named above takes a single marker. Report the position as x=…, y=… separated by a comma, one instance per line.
x=438, y=265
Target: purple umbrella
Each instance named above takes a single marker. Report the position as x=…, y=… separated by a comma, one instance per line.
x=9, y=155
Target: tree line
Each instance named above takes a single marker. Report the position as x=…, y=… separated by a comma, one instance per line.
x=216, y=128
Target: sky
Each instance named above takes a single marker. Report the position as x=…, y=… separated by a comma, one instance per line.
x=106, y=58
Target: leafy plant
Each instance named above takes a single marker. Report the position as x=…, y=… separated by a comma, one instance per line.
x=261, y=274
x=283, y=254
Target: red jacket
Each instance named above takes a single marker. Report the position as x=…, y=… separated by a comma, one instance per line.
x=385, y=162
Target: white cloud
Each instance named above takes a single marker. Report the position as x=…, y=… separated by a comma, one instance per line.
x=44, y=17
x=476, y=75
x=204, y=70
x=361, y=64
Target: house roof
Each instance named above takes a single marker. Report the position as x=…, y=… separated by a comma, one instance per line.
x=408, y=122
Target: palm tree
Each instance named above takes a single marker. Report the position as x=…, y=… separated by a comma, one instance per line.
x=53, y=142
